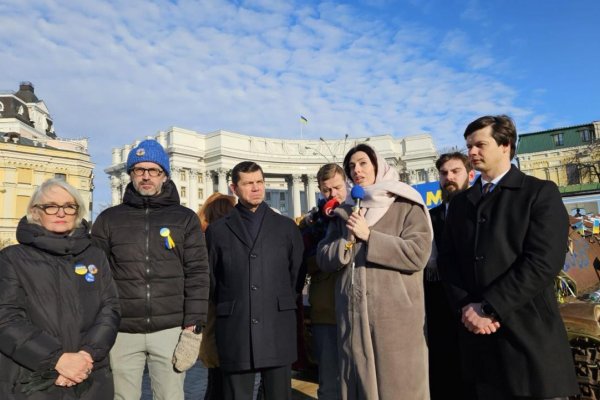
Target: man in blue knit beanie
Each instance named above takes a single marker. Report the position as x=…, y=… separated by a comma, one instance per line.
x=158, y=259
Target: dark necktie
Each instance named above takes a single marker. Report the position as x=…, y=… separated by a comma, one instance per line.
x=487, y=188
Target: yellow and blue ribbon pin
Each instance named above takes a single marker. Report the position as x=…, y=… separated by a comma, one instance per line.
x=166, y=233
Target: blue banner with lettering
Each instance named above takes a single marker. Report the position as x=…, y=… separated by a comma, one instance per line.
x=431, y=193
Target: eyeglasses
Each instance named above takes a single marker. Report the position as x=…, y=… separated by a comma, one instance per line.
x=153, y=172
x=52, y=209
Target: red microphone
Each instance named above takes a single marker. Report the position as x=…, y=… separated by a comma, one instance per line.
x=329, y=206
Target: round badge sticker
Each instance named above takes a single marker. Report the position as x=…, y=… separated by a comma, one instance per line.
x=89, y=277
x=81, y=269
x=92, y=269
x=140, y=152
x=164, y=232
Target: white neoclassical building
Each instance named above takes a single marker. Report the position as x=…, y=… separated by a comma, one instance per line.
x=201, y=164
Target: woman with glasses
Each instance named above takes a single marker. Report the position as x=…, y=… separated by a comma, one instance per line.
x=59, y=310
x=380, y=246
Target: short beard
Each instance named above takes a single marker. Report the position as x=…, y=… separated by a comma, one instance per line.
x=149, y=193
x=448, y=195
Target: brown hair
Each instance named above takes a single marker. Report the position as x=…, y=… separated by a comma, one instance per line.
x=457, y=155
x=504, y=131
x=328, y=171
x=216, y=206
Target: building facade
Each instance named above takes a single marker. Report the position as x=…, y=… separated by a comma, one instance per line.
x=568, y=156
x=201, y=164
x=30, y=153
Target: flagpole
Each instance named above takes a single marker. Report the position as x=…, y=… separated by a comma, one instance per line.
x=303, y=121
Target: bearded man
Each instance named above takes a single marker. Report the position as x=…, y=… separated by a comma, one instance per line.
x=442, y=323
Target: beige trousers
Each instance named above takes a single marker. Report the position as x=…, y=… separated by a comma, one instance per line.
x=129, y=356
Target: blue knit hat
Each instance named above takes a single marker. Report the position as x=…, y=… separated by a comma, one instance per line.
x=149, y=151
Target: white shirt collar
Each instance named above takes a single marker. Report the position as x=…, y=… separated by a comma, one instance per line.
x=495, y=180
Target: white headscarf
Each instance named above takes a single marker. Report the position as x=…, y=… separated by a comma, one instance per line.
x=380, y=195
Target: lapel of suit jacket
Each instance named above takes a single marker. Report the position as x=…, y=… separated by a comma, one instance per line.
x=474, y=192
x=236, y=225
x=513, y=178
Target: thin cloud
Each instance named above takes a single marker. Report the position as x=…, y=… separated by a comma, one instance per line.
x=116, y=72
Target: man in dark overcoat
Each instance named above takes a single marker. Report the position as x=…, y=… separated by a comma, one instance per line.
x=255, y=256
x=445, y=381
x=504, y=243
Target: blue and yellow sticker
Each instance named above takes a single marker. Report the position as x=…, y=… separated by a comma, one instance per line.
x=87, y=271
x=81, y=269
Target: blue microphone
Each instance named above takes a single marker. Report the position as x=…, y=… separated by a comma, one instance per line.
x=357, y=193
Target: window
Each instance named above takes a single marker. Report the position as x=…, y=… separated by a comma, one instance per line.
x=183, y=191
x=200, y=177
x=421, y=175
x=183, y=176
x=21, y=110
x=268, y=197
x=200, y=193
x=573, y=175
x=586, y=135
x=61, y=176
x=558, y=139
x=1, y=106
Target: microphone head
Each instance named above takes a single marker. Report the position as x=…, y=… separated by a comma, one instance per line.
x=329, y=206
x=357, y=192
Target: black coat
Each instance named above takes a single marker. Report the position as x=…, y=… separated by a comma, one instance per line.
x=254, y=290
x=438, y=221
x=47, y=309
x=445, y=381
x=507, y=248
x=159, y=288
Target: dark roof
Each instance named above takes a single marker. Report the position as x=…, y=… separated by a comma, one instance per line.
x=26, y=93
x=543, y=141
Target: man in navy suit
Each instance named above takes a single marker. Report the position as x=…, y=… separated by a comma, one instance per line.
x=255, y=256
x=504, y=243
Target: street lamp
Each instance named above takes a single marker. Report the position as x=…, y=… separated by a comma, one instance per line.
x=328, y=148
x=315, y=152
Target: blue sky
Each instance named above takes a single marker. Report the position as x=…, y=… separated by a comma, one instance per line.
x=118, y=71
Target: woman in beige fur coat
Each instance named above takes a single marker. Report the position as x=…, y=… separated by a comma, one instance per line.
x=382, y=250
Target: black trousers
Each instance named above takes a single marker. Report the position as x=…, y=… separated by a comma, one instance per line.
x=277, y=384
x=483, y=391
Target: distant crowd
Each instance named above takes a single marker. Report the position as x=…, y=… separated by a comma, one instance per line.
x=406, y=303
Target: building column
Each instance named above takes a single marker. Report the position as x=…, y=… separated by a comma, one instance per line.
x=124, y=182
x=116, y=156
x=222, y=172
x=115, y=185
x=209, y=186
x=311, y=180
x=193, y=189
x=175, y=179
x=296, y=182
x=432, y=174
x=412, y=177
